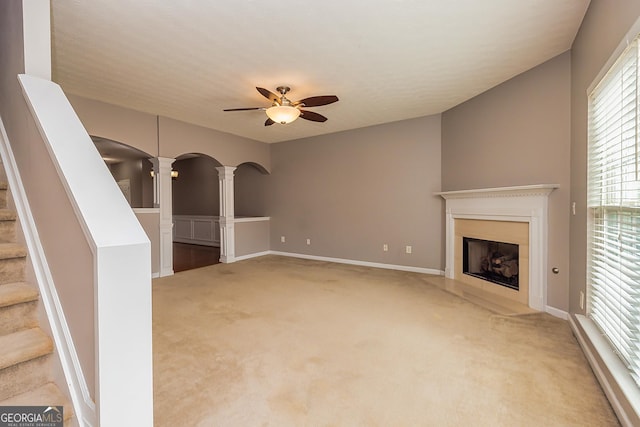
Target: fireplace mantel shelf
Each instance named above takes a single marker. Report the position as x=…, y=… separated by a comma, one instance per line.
x=517, y=191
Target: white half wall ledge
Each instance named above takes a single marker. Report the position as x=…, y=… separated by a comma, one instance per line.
x=146, y=210
x=251, y=218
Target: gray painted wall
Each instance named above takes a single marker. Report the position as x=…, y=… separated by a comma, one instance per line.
x=196, y=190
x=251, y=237
x=351, y=192
x=150, y=222
x=602, y=30
x=140, y=130
x=138, y=173
x=518, y=133
x=251, y=191
x=177, y=138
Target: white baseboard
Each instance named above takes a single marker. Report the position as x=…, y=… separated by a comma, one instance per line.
x=360, y=263
x=249, y=256
x=614, y=378
x=556, y=312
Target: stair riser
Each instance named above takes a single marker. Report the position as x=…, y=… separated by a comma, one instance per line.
x=7, y=231
x=11, y=270
x=18, y=316
x=21, y=338
x=24, y=376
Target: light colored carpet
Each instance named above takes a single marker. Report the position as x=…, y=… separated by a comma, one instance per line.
x=277, y=341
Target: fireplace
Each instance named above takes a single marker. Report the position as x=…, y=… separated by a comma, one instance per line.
x=495, y=262
x=517, y=215
x=497, y=256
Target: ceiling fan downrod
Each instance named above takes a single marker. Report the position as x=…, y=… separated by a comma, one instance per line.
x=282, y=90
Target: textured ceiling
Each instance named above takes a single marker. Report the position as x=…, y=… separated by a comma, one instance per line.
x=386, y=60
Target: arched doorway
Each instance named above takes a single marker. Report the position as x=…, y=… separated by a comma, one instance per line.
x=130, y=168
x=196, y=209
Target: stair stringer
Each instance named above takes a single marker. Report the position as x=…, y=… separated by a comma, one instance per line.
x=83, y=405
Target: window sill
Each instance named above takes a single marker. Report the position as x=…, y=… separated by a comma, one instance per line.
x=618, y=385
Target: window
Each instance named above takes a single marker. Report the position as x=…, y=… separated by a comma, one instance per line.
x=614, y=208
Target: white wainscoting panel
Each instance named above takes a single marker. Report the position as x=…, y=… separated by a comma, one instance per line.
x=197, y=229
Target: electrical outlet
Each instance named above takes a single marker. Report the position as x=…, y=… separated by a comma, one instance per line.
x=408, y=249
x=308, y=241
x=385, y=247
x=282, y=239
x=581, y=300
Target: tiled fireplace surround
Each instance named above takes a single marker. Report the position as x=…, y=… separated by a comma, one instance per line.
x=479, y=214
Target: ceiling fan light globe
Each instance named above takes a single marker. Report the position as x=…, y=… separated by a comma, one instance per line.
x=283, y=114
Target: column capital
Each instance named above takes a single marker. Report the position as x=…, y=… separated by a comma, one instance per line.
x=225, y=172
x=162, y=162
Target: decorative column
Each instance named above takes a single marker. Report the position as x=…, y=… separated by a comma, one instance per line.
x=163, y=200
x=227, y=212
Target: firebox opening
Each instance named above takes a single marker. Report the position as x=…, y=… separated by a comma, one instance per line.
x=495, y=262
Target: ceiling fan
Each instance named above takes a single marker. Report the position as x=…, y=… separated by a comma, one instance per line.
x=284, y=111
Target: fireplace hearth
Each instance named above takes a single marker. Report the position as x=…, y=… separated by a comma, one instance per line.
x=496, y=262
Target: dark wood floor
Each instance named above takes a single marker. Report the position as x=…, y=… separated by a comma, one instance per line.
x=188, y=257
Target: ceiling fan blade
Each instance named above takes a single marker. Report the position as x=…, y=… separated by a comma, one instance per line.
x=244, y=109
x=316, y=101
x=268, y=94
x=268, y=122
x=310, y=115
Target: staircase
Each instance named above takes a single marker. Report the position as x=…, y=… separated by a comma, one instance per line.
x=25, y=349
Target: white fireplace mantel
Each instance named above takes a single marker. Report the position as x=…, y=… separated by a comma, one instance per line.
x=518, y=191
x=527, y=203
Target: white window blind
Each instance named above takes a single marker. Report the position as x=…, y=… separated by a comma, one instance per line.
x=614, y=208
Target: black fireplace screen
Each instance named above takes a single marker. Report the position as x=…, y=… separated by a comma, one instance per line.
x=495, y=262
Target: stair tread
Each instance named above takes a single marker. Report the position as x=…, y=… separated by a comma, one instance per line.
x=7, y=215
x=47, y=395
x=16, y=293
x=27, y=344
x=12, y=250
x=24, y=345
